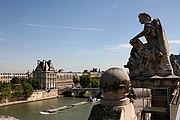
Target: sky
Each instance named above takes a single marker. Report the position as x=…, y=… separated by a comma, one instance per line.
x=78, y=35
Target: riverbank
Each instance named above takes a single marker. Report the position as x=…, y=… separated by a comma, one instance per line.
x=36, y=96
x=25, y=101
x=7, y=118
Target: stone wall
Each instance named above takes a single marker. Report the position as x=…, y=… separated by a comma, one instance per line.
x=43, y=94
x=7, y=118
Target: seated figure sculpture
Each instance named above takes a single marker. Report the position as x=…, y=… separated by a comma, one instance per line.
x=151, y=58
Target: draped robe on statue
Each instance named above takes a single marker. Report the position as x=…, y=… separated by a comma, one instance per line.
x=151, y=58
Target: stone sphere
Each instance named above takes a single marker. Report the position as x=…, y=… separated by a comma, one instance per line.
x=114, y=79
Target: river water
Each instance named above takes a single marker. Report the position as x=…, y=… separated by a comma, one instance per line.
x=31, y=111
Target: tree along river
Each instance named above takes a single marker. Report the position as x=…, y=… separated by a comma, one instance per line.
x=31, y=111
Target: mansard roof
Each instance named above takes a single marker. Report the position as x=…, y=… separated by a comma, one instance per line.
x=44, y=66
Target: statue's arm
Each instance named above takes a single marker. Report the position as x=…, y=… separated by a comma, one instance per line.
x=143, y=33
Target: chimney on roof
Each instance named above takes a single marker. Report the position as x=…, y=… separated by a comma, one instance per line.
x=38, y=62
x=49, y=61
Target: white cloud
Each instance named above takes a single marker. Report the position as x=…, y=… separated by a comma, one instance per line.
x=106, y=48
x=59, y=27
x=121, y=46
x=113, y=6
x=89, y=52
x=174, y=41
x=127, y=46
x=124, y=46
x=117, y=47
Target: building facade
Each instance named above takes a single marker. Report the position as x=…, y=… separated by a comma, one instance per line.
x=7, y=77
x=65, y=80
x=46, y=74
x=50, y=78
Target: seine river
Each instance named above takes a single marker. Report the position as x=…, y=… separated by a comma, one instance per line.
x=31, y=111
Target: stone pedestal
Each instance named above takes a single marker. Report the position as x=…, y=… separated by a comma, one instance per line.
x=161, y=91
x=114, y=105
x=101, y=112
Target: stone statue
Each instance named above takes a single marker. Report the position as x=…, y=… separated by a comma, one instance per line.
x=151, y=58
x=175, y=65
x=114, y=105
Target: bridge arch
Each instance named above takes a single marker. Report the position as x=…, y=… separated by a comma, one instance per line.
x=67, y=93
x=94, y=92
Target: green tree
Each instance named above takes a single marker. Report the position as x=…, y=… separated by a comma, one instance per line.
x=27, y=89
x=85, y=80
x=5, y=91
x=95, y=82
x=35, y=84
x=75, y=80
x=15, y=80
x=18, y=91
x=29, y=80
x=1, y=91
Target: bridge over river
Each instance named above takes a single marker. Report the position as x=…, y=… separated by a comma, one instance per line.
x=80, y=92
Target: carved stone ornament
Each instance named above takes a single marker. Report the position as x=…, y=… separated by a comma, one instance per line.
x=114, y=105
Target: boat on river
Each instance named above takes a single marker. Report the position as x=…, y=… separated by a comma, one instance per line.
x=79, y=103
x=93, y=100
x=51, y=111
x=44, y=112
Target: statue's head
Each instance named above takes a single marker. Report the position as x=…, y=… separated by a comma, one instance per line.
x=144, y=18
x=115, y=80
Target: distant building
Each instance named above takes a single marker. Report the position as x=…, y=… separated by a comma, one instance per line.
x=65, y=79
x=50, y=78
x=95, y=72
x=7, y=77
x=46, y=73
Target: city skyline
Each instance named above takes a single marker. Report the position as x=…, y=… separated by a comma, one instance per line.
x=77, y=34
